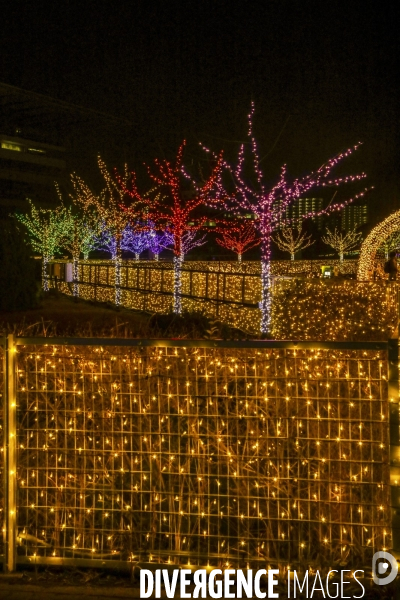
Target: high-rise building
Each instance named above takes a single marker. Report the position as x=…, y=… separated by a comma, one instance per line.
x=354, y=216
x=295, y=213
x=43, y=139
x=28, y=168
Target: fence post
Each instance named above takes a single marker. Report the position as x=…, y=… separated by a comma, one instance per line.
x=394, y=434
x=10, y=456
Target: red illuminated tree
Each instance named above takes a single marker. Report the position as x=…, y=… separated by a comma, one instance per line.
x=172, y=209
x=239, y=239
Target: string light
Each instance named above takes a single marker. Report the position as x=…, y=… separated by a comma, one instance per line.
x=340, y=241
x=288, y=241
x=269, y=205
x=130, y=462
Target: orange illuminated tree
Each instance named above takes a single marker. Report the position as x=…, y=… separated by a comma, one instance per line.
x=116, y=206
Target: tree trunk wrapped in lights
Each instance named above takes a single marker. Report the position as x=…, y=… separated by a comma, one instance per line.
x=239, y=239
x=116, y=205
x=270, y=206
x=48, y=232
x=341, y=242
x=288, y=241
x=171, y=210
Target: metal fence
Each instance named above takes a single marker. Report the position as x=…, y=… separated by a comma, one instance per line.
x=198, y=453
x=231, y=294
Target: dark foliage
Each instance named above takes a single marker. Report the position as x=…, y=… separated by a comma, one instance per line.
x=18, y=286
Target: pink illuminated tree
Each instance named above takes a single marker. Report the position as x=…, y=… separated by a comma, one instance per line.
x=239, y=239
x=270, y=205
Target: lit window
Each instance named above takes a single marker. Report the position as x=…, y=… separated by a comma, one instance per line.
x=11, y=146
x=36, y=151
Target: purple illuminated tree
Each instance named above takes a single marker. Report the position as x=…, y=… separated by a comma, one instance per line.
x=270, y=205
x=135, y=239
x=159, y=240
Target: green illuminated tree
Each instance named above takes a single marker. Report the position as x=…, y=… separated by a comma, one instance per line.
x=391, y=243
x=48, y=232
x=81, y=231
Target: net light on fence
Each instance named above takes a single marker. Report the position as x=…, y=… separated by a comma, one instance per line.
x=208, y=456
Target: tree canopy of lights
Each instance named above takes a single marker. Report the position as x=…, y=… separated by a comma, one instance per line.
x=48, y=230
x=372, y=243
x=288, y=240
x=115, y=206
x=239, y=239
x=341, y=242
x=270, y=204
x=172, y=209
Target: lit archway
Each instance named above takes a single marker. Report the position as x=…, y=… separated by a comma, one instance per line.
x=373, y=241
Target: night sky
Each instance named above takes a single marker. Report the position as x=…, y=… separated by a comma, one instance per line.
x=323, y=76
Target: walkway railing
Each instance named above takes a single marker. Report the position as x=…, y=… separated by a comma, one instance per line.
x=119, y=452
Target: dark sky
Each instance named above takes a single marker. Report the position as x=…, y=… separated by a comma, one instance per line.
x=323, y=75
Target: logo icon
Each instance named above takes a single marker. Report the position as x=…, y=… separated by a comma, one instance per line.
x=384, y=563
